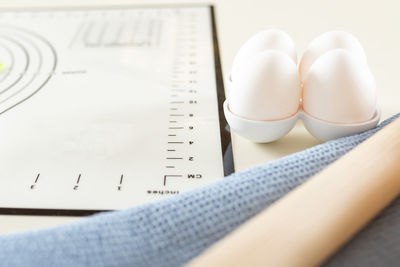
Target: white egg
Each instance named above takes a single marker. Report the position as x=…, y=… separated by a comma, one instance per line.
x=263, y=41
x=266, y=88
x=329, y=41
x=340, y=88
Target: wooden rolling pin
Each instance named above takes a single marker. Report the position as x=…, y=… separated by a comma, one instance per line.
x=310, y=223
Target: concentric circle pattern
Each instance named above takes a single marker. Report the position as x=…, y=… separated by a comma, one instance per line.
x=27, y=62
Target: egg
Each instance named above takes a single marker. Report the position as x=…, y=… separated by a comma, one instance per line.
x=267, y=87
x=339, y=88
x=264, y=41
x=326, y=42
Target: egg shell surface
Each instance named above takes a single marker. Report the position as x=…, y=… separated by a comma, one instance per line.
x=339, y=88
x=330, y=41
x=272, y=39
x=266, y=88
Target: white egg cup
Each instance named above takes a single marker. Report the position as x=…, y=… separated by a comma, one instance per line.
x=272, y=130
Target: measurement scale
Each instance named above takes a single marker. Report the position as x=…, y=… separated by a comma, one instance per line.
x=103, y=109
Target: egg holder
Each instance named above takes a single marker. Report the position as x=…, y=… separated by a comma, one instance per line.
x=271, y=130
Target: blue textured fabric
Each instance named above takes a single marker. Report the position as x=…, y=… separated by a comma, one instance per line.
x=173, y=231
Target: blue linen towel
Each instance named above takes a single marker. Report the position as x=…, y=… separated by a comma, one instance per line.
x=173, y=231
